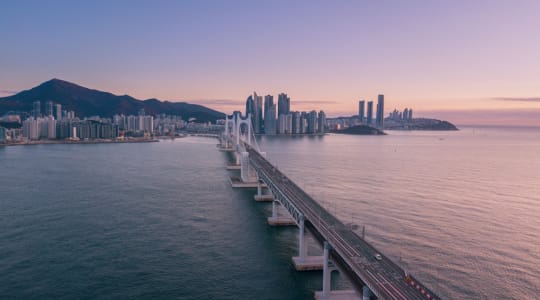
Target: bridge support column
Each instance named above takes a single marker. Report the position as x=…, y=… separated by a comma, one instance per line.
x=303, y=262
x=326, y=271
x=260, y=197
x=366, y=293
x=302, y=248
x=277, y=220
x=327, y=293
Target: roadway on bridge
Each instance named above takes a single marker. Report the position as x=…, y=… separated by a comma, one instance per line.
x=386, y=279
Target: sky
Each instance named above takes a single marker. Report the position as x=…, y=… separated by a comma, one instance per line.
x=467, y=61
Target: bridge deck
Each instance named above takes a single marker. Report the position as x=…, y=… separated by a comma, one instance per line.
x=386, y=279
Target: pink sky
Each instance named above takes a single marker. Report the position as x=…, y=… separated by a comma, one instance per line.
x=441, y=57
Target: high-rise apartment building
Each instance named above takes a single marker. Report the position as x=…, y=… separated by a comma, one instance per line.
x=258, y=102
x=48, y=108
x=51, y=127
x=250, y=110
x=312, y=122
x=58, y=111
x=31, y=128
x=321, y=122
x=296, y=122
x=2, y=135
x=284, y=104
x=268, y=101
x=284, y=108
x=249, y=106
x=269, y=115
x=369, y=112
x=380, y=112
x=36, y=112
x=270, y=126
x=361, y=108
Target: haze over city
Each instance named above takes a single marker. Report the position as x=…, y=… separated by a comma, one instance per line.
x=471, y=62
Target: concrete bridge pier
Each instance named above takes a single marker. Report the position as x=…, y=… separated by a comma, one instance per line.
x=260, y=197
x=303, y=262
x=248, y=177
x=366, y=293
x=327, y=293
x=327, y=273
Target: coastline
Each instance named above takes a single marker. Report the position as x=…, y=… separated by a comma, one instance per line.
x=53, y=142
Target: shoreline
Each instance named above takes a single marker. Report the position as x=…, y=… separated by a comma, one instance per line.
x=52, y=142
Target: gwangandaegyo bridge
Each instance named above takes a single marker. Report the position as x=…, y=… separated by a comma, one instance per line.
x=372, y=274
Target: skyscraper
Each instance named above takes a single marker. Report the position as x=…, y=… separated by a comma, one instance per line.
x=270, y=119
x=48, y=108
x=258, y=103
x=361, y=107
x=296, y=122
x=369, y=112
x=2, y=135
x=268, y=101
x=312, y=122
x=58, y=108
x=250, y=110
x=284, y=104
x=322, y=122
x=249, y=106
x=284, y=108
x=36, y=112
x=51, y=127
x=380, y=112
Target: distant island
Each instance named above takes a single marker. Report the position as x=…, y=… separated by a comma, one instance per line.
x=418, y=124
x=359, y=130
x=356, y=125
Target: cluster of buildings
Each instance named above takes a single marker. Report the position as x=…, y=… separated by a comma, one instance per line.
x=397, y=115
x=279, y=119
x=366, y=118
x=58, y=124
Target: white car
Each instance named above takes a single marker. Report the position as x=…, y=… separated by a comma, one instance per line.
x=377, y=256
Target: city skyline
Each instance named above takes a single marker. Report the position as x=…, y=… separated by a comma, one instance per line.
x=469, y=63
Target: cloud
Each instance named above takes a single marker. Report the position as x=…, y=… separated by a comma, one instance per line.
x=517, y=99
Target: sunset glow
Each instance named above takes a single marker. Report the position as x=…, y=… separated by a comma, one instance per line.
x=435, y=57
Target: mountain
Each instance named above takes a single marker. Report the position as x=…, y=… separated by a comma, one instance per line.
x=87, y=102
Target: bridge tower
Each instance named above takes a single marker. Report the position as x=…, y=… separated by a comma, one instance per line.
x=238, y=130
x=229, y=126
x=246, y=171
